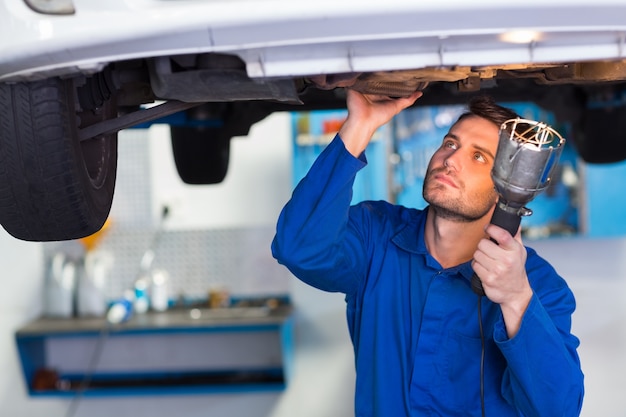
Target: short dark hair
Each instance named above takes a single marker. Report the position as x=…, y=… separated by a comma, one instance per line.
x=485, y=106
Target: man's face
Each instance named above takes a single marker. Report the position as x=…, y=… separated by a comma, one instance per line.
x=458, y=182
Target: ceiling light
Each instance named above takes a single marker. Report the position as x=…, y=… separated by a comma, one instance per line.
x=51, y=6
x=521, y=36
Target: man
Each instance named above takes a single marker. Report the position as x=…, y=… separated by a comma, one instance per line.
x=406, y=273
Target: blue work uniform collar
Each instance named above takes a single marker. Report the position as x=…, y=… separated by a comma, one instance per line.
x=411, y=239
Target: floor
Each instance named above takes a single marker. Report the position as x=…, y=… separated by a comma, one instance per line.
x=600, y=323
x=596, y=272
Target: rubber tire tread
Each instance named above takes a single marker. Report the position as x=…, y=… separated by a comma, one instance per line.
x=201, y=154
x=46, y=191
x=603, y=138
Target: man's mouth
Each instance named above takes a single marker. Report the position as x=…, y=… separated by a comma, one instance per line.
x=446, y=179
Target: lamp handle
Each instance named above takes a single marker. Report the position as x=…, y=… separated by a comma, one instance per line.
x=506, y=220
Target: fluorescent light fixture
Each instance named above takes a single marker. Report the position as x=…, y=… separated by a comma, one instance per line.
x=521, y=36
x=51, y=6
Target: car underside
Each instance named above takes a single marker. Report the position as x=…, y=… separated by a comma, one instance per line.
x=60, y=132
x=581, y=94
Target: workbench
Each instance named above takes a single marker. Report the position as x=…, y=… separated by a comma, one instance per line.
x=190, y=350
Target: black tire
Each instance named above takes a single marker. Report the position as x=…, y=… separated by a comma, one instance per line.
x=52, y=185
x=201, y=154
x=603, y=137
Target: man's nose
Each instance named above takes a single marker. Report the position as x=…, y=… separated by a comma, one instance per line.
x=451, y=161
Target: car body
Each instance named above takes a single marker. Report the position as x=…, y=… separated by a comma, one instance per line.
x=75, y=72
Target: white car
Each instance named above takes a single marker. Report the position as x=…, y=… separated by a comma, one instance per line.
x=75, y=72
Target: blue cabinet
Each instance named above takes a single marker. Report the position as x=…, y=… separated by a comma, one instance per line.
x=178, y=351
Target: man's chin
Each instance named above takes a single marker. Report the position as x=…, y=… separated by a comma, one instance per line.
x=456, y=214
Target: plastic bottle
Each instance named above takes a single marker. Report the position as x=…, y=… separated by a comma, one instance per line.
x=121, y=310
x=159, y=299
x=91, y=300
x=60, y=287
x=141, y=302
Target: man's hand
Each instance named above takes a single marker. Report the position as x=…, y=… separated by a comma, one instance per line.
x=502, y=271
x=366, y=113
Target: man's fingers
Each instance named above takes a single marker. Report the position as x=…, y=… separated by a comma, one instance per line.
x=500, y=235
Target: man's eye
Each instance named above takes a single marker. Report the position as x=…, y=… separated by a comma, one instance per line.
x=449, y=144
x=479, y=157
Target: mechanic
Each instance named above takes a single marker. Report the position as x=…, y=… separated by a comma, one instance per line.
x=412, y=314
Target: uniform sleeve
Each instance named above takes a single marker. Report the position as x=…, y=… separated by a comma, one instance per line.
x=312, y=238
x=543, y=375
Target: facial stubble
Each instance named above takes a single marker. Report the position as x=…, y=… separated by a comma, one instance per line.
x=462, y=208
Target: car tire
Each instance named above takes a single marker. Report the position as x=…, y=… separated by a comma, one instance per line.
x=603, y=138
x=201, y=154
x=52, y=185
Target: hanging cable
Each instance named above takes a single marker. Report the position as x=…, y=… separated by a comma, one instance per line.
x=118, y=313
x=482, y=357
x=91, y=368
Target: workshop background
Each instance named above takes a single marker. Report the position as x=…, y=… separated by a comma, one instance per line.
x=218, y=237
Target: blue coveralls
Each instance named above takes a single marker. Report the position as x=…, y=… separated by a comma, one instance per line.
x=414, y=324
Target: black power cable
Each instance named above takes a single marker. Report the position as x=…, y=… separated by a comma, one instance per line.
x=104, y=332
x=482, y=356
x=91, y=368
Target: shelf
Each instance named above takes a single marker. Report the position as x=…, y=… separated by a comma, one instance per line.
x=178, y=351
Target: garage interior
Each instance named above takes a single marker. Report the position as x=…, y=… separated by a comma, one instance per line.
x=217, y=238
